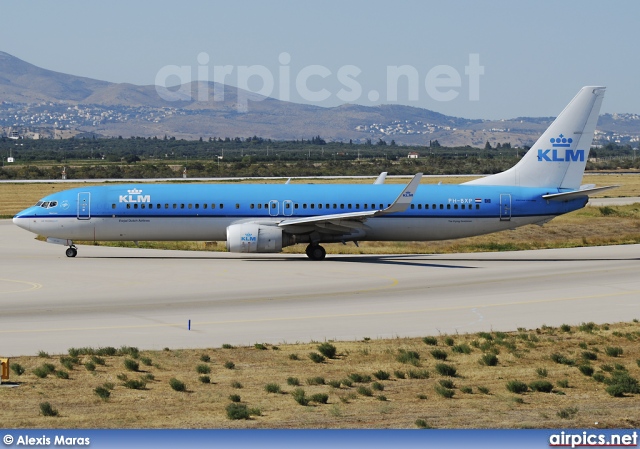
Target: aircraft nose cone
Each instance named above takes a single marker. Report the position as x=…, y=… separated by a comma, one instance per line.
x=24, y=223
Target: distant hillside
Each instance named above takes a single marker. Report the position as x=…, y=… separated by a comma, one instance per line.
x=51, y=103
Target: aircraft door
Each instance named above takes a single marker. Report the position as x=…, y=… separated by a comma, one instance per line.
x=287, y=208
x=274, y=208
x=505, y=207
x=84, y=206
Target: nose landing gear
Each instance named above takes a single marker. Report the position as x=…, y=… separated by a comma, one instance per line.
x=72, y=251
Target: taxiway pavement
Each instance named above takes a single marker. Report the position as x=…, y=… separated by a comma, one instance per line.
x=145, y=298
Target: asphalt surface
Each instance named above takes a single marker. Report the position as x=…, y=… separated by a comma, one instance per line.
x=145, y=298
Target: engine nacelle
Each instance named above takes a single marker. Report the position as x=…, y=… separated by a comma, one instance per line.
x=256, y=238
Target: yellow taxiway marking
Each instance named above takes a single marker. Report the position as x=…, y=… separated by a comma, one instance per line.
x=315, y=317
x=24, y=286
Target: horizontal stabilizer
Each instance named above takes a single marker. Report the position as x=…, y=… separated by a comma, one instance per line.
x=565, y=196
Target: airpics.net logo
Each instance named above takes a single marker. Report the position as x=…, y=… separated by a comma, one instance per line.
x=313, y=83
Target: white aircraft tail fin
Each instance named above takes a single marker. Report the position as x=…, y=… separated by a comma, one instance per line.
x=559, y=156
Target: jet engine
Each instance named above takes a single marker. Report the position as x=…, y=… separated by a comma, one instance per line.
x=256, y=238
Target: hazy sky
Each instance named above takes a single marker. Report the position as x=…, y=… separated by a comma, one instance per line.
x=475, y=59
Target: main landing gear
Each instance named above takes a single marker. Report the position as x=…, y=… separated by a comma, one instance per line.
x=315, y=252
x=72, y=251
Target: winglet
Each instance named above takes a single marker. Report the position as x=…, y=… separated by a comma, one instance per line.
x=381, y=178
x=404, y=199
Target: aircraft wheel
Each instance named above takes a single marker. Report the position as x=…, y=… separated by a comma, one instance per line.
x=316, y=252
x=71, y=252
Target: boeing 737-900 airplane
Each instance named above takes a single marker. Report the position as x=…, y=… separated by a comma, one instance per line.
x=262, y=218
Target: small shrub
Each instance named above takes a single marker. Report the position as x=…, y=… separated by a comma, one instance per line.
x=347, y=382
x=622, y=381
x=431, y=341
x=234, y=398
x=466, y=390
x=613, y=351
x=129, y=350
x=227, y=346
x=381, y=375
x=68, y=362
x=148, y=377
x=483, y=390
x=293, y=381
x=449, y=341
x=381, y=397
x=205, y=358
x=515, y=386
x=41, y=372
x=62, y=374
x=229, y=365
x=542, y=386
x=134, y=384
x=599, y=377
x=205, y=379
x=315, y=381
x=565, y=328
x=582, y=345
x=255, y=412
x=418, y=374
x=203, y=369
x=542, y=372
x=589, y=355
x=377, y=386
x=489, y=360
x=17, y=369
x=558, y=358
x=334, y=383
x=422, y=424
x=327, y=350
x=446, y=370
x=606, y=368
x=90, y=366
x=588, y=327
x=236, y=384
x=146, y=361
x=564, y=383
x=294, y=357
x=131, y=365
x=47, y=410
x=615, y=390
x=316, y=358
x=422, y=396
x=177, y=385
x=409, y=357
x=260, y=346
x=439, y=354
x=237, y=411
x=108, y=351
x=399, y=374
x=122, y=377
x=98, y=360
x=272, y=388
x=587, y=370
x=43, y=354
x=102, y=393
x=364, y=391
x=619, y=367
x=447, y=383
x=300, y=396
x=362, y=378
x=462, y=349
x=567, y=413
x=444, y=392
x=320, y=398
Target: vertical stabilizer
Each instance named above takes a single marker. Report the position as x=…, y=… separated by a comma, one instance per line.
x=559, y=156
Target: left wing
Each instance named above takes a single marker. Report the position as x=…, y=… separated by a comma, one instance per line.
x=341, y=223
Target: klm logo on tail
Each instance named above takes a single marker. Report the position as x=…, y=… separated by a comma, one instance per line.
x=557, y=154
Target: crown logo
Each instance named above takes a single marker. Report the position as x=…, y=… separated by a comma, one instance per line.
x=561, y=141
x=134, y=191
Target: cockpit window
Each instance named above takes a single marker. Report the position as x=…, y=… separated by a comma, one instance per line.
x=45, y=204
x=53, y=204
x=38, y=203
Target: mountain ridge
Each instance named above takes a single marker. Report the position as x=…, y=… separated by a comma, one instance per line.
x=45, y=100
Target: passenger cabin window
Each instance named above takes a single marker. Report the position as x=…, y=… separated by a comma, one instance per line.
x=113, y=206
x=237, y=205
x=128, y=206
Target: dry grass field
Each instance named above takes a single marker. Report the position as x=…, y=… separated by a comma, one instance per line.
x=568, y=377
